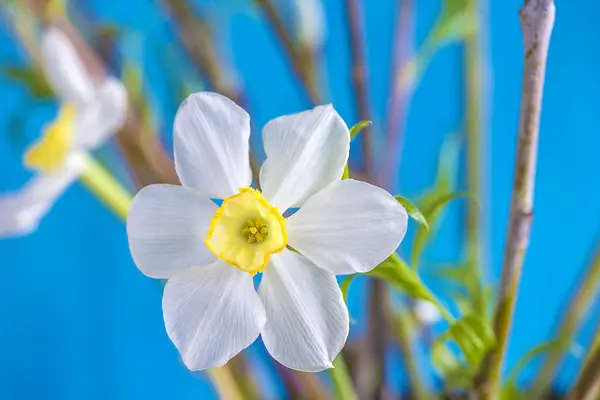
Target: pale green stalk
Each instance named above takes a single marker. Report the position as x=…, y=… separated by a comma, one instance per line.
x=104, y=185
x=342, y=383
x=473, y=79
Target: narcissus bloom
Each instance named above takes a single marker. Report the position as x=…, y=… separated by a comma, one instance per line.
x=209, y=254
x=91, y=111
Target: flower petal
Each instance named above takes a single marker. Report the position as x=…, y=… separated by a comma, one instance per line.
x=211, y=137
x=103, y=116
x=211, y=314
x=307, y=320
x=348, y=227
x=305, y=152
x=166, y=225
x=64, y=69
x=22, y=211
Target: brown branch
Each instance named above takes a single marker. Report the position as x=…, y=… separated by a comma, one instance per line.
x=301, y=65
x=577, y=310
x=537, y=21
x=356, y=32
x=588, y=383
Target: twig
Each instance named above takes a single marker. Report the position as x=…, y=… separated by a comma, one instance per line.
x=588, y=383
x=301, y=68
x=356, y=32
x=401, y=90
x=537, y=21
x=573, y=316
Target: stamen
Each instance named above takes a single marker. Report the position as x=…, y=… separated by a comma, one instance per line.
x=254, y=231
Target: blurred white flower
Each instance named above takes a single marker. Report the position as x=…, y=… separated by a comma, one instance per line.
x=310, y=22
x=426, y=312
x=90, y=113
x=209, y=253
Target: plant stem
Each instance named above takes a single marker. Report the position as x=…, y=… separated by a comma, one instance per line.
x=301, y=68
x=356, y=32
x=224, y=383
x=573, y=316
x=588, y=383
x=473, y=78
x=537, y=21
x=105, y=187
x=342, y=383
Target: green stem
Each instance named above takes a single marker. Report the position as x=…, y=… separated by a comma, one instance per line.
x=473, y=78
x=342, y=383
x=101, y=182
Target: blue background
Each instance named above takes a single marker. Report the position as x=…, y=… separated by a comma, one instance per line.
x=80, y=321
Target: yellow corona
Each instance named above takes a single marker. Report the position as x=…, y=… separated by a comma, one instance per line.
x=246, y=230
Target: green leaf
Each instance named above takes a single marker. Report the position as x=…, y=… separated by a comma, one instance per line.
x=33, y=78
x=396, y=272
x=413, y=211
x=431, y=213
x=345, y=286
x=474, y=338
x=355, y=130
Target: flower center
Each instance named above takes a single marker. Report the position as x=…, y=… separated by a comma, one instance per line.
x=254, y=231
x=246, y=230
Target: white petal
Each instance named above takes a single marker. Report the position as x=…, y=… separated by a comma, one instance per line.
x=305, y=152
x=166, y=226
x=211, y=314
x=64, y=68
x=22, y=211
x=211, y=139
x=103, y=116
x=348, y=227
x=307, y=320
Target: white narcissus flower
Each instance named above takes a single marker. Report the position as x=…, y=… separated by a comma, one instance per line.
x=90, y=113
x=209, y=254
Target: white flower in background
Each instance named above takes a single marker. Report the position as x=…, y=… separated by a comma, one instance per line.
x=311, y=26
x=426, y=312
x=90, y=113
x=210, y=253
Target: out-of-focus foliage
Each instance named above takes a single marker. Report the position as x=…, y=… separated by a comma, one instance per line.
x=475, y=339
